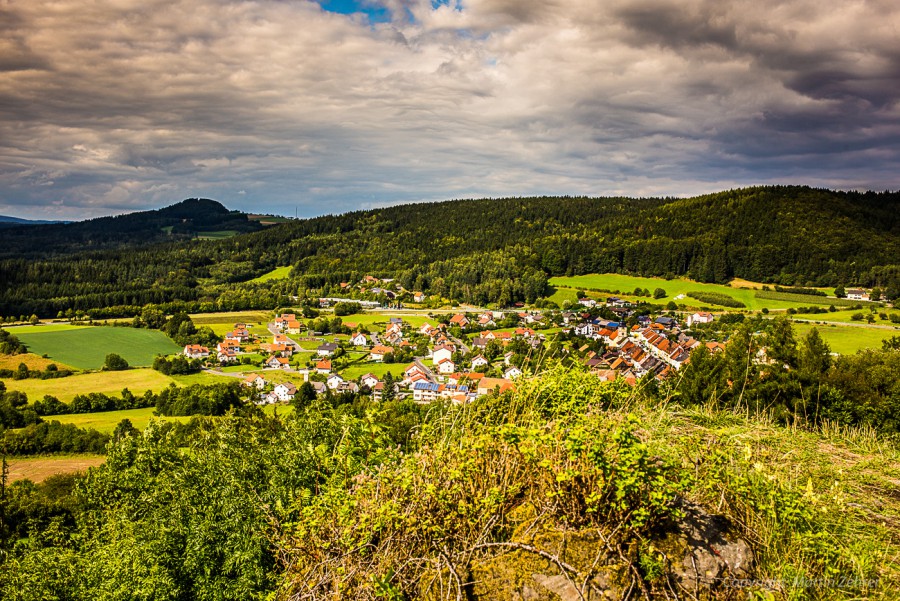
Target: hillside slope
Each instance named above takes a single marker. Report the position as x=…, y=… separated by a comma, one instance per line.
x=492, y=250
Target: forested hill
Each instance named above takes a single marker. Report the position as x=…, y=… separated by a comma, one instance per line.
x=180, y=221
x=493, y=250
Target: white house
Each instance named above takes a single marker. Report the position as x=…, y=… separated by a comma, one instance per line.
x=442, y=352
x=254, y=381
x=857, y=294
x=369, y=380
x=285, y=392
x=334, y=381
x=327, y=349
x=359, y=339
x=700, y=317
x=323, y=366
x=378, y=352
x=512, y=373
x=446, y=366
x=479, y=361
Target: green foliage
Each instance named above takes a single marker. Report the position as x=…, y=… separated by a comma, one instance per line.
x=715, y=298
x=10, y=345
x=805, y=298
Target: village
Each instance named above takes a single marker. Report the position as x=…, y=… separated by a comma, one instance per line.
x=454, y=356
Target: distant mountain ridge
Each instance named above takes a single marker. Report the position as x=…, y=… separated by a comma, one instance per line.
x=7, y=221
x=182, y=221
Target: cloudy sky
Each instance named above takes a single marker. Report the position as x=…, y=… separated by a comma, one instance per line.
x=279, y=106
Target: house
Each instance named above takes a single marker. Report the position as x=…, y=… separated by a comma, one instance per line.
x=254, y=381
x=487, y=321
x=226, y=355
x=512, y=373
x=446, y=366
x=857, y=294
x=700, y=317
x=195, y=351
x=479, y=361
x=425, y=392
x=239, y=334
x=282, y=350
x=379, y=351
x=323, y=367
x=459, y=320
x=319, y=387
x=378, y=391
x=334, y=381
x=418, y=297
x=369, y=380
x=327, y=349
x=507, y=358
x=285, y=392
x=480, y=342
x=359, y=339
x=587, y=302
x=293, y=327
x=488, y=385
x=347, y=387
x=276, y=362
x=444, y=351
x=666, y=322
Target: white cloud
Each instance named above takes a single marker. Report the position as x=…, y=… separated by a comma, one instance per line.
x=115, y=104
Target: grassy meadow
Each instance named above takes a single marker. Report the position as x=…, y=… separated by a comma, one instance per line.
x=106, y=421
x=846, y=340
x=86, y=347
x=106, y=382
x=34, y=362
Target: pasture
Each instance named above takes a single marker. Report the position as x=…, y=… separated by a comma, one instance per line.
x=354, y=371
x=626, y=284
x=106, y=421
x=107, y=382
x=86, y=347
x=845, y=340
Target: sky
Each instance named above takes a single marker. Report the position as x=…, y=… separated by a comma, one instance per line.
x=308, y=108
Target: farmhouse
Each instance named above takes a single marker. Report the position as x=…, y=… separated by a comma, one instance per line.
x=857, y=294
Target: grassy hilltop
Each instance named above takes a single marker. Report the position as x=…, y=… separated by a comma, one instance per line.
x=568, y=483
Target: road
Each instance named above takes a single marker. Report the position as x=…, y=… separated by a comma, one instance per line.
x=428, y=373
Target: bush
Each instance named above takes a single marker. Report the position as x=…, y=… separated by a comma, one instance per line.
x=115, y=362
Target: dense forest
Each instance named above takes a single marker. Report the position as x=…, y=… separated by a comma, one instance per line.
x=479, y=251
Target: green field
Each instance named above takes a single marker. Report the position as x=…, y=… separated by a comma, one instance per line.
x=846, y=340
x=107, y=382
x=107, y=421
x=626, y=284
x=377, y=369
x=378, y=321
x=279, y=273
x=86, y=347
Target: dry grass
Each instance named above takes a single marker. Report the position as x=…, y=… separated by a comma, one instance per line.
x=34, y=362
x=38, y=469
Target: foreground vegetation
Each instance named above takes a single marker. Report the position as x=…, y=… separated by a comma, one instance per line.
x=569, y=478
